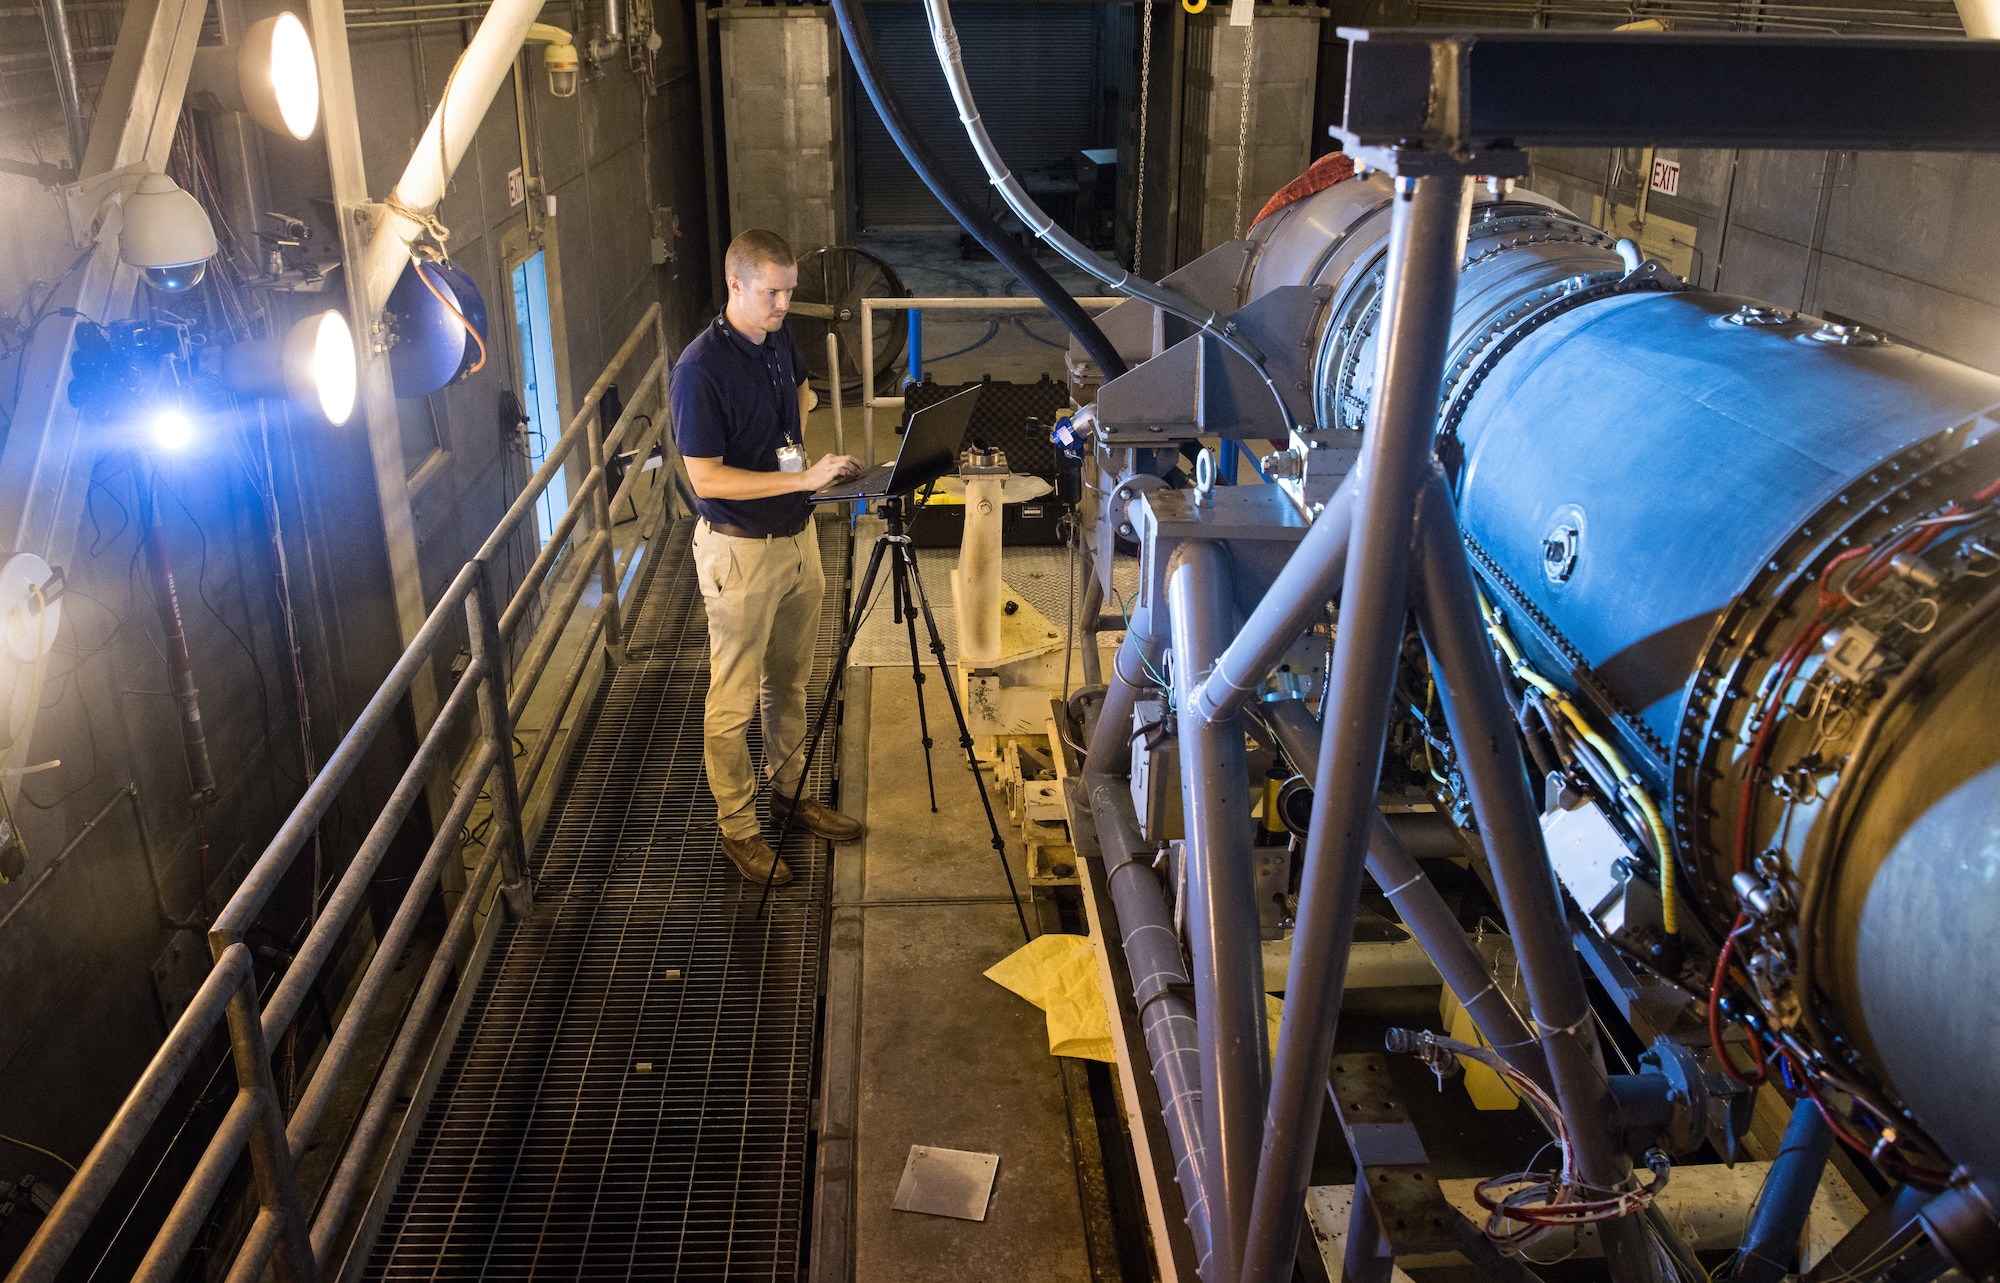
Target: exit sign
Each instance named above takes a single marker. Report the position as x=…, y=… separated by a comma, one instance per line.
x=1667, y=177
x=517, y=188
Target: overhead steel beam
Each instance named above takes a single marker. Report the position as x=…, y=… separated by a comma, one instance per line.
x=376, y=397
x=1460, y=91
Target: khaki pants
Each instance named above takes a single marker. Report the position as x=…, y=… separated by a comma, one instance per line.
x=763, y=598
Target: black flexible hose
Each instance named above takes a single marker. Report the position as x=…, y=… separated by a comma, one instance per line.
x=861, y=47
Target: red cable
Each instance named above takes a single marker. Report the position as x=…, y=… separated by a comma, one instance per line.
x=1761, y=1071
x=448, y=306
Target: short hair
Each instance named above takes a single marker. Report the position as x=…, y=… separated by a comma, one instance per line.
x=753, y=249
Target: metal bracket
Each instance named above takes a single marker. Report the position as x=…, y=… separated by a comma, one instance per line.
x=1389, y=1157
x=1142, y=332
x=1258, y=523
x=89, y=203
x=1200, y=388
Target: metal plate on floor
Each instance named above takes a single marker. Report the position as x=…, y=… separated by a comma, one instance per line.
x=946, y=1182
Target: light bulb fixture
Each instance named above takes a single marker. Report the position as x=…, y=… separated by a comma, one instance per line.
x=166, y=235
x=313, y=365
x=170, y=430
x=559, y=57
x=270, y=75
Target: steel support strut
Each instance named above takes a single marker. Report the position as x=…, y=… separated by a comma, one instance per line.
x=1427, y=231
x=1222, y=922
x=1423, y=910
x=1489, y=753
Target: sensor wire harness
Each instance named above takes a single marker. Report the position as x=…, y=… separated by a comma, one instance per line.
x=1627, y=781
x=1536, y=1202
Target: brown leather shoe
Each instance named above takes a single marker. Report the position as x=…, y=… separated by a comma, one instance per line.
x=753, y=858
x=815, y=818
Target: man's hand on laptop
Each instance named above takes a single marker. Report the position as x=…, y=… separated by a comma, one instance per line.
x=829, y=469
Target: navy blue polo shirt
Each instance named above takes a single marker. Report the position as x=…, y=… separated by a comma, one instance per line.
x=738, y=401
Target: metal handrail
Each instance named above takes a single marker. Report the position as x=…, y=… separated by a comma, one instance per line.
x=284, y=1237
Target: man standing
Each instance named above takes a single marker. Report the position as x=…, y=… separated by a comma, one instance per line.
x=739, y=402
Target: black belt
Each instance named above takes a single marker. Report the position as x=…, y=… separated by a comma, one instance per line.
x=738, y=532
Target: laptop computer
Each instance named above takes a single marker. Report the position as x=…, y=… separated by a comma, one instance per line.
x=929, y=451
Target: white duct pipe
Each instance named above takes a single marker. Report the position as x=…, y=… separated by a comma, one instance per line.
x=979, y=572
x=1981, y=18
x=485, y=64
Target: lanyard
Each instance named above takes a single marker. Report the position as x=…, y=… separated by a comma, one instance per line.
x=767, y=357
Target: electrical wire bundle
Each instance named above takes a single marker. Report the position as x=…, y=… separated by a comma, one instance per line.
x=1849, y=589
x=1536, y=1202
x=1574, y=737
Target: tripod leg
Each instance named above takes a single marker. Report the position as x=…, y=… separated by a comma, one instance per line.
x=825, y=707
x=902, y=591
x=964, y=733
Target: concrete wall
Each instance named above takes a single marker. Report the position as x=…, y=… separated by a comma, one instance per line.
x=90, y=974
x=1284, y=71
x=1895, y=240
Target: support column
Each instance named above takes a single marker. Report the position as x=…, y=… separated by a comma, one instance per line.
x=1489, y=753
x=1426, y=233
x=1221, y=917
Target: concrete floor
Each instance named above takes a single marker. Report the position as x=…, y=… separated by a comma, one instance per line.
x=938, y=1054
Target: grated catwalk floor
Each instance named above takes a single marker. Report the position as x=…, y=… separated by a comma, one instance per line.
x=629, y=1096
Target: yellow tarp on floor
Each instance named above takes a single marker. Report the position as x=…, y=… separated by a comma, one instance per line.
x=1058, y=973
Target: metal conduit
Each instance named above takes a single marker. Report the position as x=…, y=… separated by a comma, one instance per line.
x=945, y=38
x=1160, y=982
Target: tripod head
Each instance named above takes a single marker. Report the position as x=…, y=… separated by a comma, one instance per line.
x=896, y=511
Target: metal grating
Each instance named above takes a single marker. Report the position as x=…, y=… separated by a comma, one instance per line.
x=549, y=1151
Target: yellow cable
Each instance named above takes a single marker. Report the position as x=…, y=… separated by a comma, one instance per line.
x=1628, y=783
x=46, y=1153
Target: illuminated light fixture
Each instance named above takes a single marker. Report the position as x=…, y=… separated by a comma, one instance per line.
x=166, y=235
x=313, y=365
x=170, y=429
x=270, y=75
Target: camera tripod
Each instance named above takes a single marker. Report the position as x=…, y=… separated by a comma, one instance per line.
x=907, y=600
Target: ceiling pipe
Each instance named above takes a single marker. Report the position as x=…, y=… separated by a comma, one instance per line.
x=55, y=25
x=1981, y=18
x=486, y=63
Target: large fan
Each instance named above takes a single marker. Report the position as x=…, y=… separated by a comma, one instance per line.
x=832, y=282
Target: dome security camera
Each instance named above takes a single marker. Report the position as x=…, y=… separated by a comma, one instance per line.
x=166, y=235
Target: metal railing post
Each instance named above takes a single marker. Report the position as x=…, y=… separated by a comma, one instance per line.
x=833, y=388
x=482, y=617
x=868, y=380
x=669, y=448
x=607, y=579
x=277, y=1180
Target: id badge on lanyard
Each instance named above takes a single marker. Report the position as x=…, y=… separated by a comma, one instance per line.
x=792, y=454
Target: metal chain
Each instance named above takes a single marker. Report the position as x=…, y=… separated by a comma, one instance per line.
x=1145, y=98
x=1243, y=125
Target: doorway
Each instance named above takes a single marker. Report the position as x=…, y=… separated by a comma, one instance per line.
x=540, y=382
